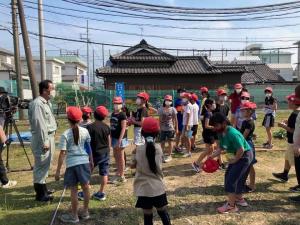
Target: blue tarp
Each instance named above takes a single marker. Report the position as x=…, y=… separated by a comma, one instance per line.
x=26, y=136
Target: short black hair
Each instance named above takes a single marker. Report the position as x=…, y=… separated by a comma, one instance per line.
x=218, y=118
x=209, y=101
x=180, y=90
x=98, y=117
x=44, y=84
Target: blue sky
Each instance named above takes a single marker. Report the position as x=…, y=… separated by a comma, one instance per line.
x=53, y=46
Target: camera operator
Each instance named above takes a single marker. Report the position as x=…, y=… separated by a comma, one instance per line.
x=43, y=127
x=5, y=182
x=2, y=114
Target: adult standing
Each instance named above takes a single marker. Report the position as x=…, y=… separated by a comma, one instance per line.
x=43, y=128
x=2, y=114
x=235, y=100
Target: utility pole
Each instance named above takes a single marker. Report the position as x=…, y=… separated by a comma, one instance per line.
x=17, y=54
x=88, y=52
x=41, y=39
x=27, y=49
x=94, y=80
x=102, y=55
x=298, y=61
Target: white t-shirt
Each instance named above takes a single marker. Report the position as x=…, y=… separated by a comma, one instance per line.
x=195, y=114
x=188, y=109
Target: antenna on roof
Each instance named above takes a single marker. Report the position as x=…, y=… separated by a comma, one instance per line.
x=142, y=32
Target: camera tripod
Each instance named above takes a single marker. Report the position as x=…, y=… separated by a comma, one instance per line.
x=9, y=124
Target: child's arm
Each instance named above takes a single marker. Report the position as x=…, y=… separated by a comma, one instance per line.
x=237, y=157
x=246, y=133
x=61, y=159
x=216, y=153
x=275, y=105
x=109, y=141
x=187, y=121
x=206, y=124
x=175, y=121
x=286, y=127
x=90, y=153
x=123, y=130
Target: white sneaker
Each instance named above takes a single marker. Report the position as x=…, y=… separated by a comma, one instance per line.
x=187, y=155
x=167, y=159
x=10, y=184
x=242, y=202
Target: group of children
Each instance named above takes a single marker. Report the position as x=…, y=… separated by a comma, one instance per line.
x=87, y=144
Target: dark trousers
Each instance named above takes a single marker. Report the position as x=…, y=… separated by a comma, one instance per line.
x=3, y=176
x=297, y=168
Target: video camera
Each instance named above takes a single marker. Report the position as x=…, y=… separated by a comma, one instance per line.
x=10, y=104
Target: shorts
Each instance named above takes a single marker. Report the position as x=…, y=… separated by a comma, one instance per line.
x=289, y=154
x=167, y=135
x=268, y=121
x=237, y=173
x=102, y=160
x=250, y=142
x=195, y=130
x=124, y=142
x=150, y=202
x=77, y=174
x=138, y=138
x=209, y=137
x=188, y=134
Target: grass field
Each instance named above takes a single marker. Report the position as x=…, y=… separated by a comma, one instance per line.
x=192, y=197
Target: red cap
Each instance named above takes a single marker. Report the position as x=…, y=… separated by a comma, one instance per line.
x=117, y=100
x=86, y=109
x=204, y=89
x=168, y=97
x=74, y=113
x=186, y=95
x=248, y=105
x=221, y=92
x=210, y=166
x=194, y=97
x=238, y=86
x=270, y=89
x=143, y=95
x=293, y=98
x=245, y=94
x=102, y=111
x=150, y=125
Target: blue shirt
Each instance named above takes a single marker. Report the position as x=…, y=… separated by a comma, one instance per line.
x=76, y=154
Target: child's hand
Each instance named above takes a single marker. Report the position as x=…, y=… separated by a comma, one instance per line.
x=57, y=176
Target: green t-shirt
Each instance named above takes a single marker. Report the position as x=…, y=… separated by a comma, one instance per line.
x=233, y=140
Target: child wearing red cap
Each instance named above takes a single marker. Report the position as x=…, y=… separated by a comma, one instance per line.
x=269, y=119
x=289, y=126
x=234, y=144
x=195, y=114
x=235, y=100
x=78, y=164
x=209, y=136
x=247, y=129
x=101, y=145
x=86, y=116
x=168, y=126
x=148, y=184
x=222, y=105
x=138, y=117
x=187, y=123
x=179, y=109
x=118, y=125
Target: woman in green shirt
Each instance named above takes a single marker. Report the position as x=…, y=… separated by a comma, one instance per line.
x=234, y=144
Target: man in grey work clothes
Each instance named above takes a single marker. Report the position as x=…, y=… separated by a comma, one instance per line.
x=43, y=127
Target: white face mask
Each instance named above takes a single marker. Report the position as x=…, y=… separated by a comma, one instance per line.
x=223, y=98
x=213, y=106
x=52, y=94
x=238, y=91
x=138, y=101
x=168, y=103
x=117, y=107
x=268, y=95
x=184, y=101
x=244, y=101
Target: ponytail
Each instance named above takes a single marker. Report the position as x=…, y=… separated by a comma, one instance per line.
x=75, y=131
x=147, y=105
x=151, y=152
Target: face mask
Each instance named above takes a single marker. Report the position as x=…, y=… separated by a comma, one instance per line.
x=168, y=103
x=52, y=94
x=138, y=101
x=238, y=91
x=213, y=106
x=117, y=107
x=223, y=98
x=244, y=101
x=268, y=95
x=184, y=101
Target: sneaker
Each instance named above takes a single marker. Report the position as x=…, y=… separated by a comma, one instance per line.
x=80, y=196
x=99, y=196
x=11, y=183
x=187, y=155
x=84, y=215
x=268, y=146
x=196, y=167
x=295, y=189
x=226, y=208
x=193, y=147
x=295, y=199
x=281, y=177
x=248, y=189
x=177, y=150
x=117, y=180
x=167, y=159
x=242, y=202
x=265, y=144
x=68, y=218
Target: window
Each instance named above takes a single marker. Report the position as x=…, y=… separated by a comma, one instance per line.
x=56, y=70
x=26, y=84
